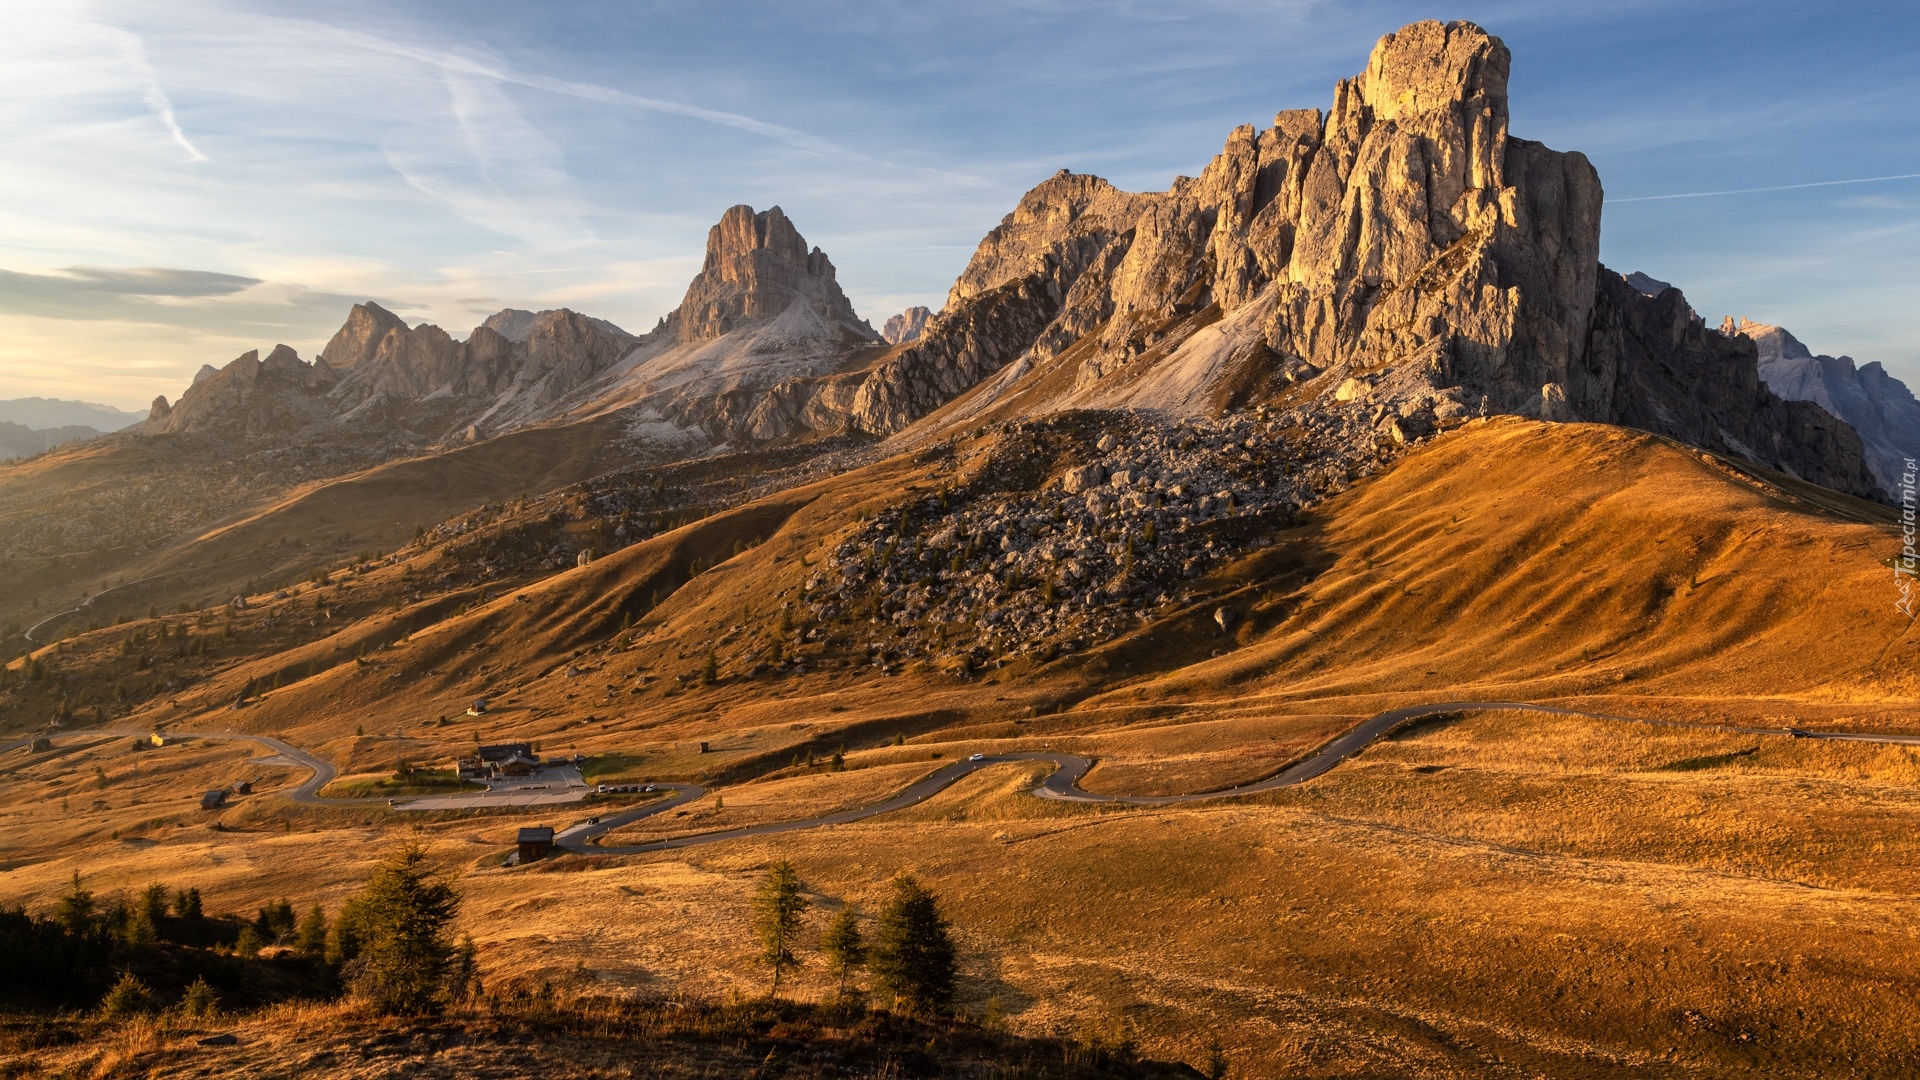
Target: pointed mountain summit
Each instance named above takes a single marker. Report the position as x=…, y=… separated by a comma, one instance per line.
x=763, y=325
x=757, y=268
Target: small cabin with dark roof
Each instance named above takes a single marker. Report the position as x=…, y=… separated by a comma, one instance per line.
x=535, y=843
x=213, y=800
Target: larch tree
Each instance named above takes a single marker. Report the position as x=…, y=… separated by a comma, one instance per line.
x=777, y=908
x=845, y=949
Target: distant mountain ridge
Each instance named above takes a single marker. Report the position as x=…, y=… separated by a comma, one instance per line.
x=1877, y=405
x=764, y=308
x=40, y=414
x=18, y=440
x=35, y=425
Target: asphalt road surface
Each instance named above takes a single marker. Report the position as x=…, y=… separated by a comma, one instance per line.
x=1063, y=783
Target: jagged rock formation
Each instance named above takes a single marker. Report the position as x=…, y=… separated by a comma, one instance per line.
x=906, y=326
x=511, y=370
x=1403, y=238
x=381, y=375
x=249, y=397
x=1400, y=260
x=1875, y=404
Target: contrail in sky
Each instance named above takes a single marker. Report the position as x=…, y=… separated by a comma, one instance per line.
x=1757, y=190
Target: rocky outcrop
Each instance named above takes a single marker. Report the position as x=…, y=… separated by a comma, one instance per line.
x=1875, y=404
x=1404, y=236
x=906, y=326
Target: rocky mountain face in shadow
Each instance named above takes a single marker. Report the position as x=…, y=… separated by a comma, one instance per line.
x=1404, y=237
x=1875, y=404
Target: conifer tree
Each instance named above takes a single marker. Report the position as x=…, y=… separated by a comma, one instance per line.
x=199, y=1002
x=153, y=904
x=845, y=949
x=128, y=997
x=912, y=950
x=311, y=937
x=405, y=950
x=77, y=910
x=776, y=919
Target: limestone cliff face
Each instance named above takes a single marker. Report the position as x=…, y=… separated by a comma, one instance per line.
x=1403, y=226
x=1875, y=404
x=1405, y=230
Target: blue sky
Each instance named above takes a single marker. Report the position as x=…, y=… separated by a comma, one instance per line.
x=190, y=180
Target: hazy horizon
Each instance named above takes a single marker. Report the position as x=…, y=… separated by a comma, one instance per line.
x=216, y=178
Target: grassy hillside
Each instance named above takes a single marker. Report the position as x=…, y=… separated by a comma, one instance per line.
x=1492, y=894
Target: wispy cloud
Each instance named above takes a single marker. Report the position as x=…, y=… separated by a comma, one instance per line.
x=492, y=167
x=1761, y=190
x=459, y=63
x=154, y=95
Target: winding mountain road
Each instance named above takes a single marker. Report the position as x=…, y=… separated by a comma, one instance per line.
x=323, y=773
x=1062, y=784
